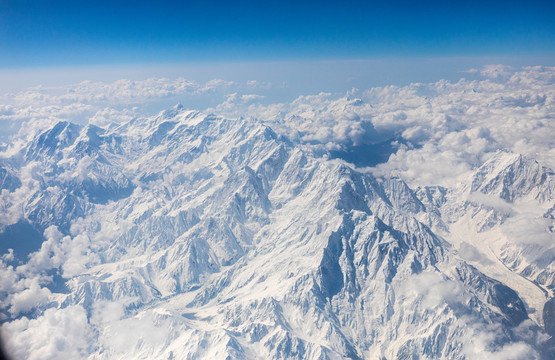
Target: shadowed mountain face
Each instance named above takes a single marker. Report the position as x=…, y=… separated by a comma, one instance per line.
x=8, y=180
x=194, y=236
x=366, y=155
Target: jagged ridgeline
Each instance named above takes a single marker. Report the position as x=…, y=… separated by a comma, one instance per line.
x=192, y=236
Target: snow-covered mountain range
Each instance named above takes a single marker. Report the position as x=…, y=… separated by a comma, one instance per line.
x=195, y=236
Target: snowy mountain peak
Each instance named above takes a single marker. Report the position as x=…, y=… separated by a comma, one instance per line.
x=62, y=135
x=511, y=176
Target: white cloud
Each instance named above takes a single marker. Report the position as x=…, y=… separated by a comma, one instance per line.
x=11, y=203
x=8, y=282
x=427, y=165
x=256, y=84
x=493, y=202
x=106, y=312
x=30, y=298
x=57, y=334
x=49, y=256
x=9, y=256
x=72, y=254
x=482, y=342
x=433, y=290
x=522, y=226
x=512, y=351
x=106, y=116
x=148, y=331
x=470, y=253
x=496, y=71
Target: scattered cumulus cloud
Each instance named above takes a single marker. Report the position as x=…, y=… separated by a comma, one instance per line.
x=30, y=298
x=496, y=71
x=481, y=342
x=58, y=333
x=433, y=290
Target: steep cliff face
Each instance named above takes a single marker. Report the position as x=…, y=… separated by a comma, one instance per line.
x=194, y=236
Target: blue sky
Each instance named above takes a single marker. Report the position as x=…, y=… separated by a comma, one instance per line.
x=309, y=46
x=60, y=33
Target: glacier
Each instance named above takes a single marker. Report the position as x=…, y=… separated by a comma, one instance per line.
x=190, y=235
